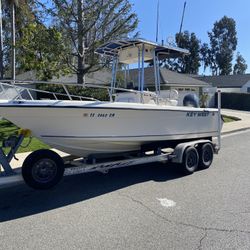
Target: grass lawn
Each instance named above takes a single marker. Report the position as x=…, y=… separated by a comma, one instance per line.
x=7, y=128
x=227, y=118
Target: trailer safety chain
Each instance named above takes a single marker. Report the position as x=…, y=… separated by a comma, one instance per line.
x=14, y=156
x=26, y=133
x=28, y=143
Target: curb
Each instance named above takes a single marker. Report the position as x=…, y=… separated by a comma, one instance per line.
x=235, y=130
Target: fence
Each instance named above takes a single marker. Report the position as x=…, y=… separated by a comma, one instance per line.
x=239, y=101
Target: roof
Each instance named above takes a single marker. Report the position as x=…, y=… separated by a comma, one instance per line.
x=27, y=76
x=113, y=48
x=174, y=78
x=99, y=77
x=228, y=81
x=167, y=77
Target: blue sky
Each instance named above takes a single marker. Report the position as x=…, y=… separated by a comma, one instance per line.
x=199, y=18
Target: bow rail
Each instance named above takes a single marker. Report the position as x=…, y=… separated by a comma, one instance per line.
x=18, y=91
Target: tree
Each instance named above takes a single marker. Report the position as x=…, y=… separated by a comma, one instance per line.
x=188, y=64
x=208, y=58
x=15, y=14
x=223, y=41
x=240, y=67
x=42, y=49
x=87, y=24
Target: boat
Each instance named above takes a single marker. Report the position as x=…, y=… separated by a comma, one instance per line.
x=131, y=120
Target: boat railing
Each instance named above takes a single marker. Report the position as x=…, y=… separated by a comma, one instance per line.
x=18, y=91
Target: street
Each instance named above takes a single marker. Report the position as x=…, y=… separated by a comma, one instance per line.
x=142, y=207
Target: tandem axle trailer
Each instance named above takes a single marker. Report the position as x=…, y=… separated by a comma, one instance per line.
x=44, y=168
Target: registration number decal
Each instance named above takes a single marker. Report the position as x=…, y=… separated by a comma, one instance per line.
x=99, y=115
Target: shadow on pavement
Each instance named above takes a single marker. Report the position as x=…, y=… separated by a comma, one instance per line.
x=20, y=201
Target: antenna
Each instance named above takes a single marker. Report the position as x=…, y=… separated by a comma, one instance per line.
x=157, y=22
x=182, y=18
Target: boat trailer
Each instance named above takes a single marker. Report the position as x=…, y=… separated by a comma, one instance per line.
x=43, y=169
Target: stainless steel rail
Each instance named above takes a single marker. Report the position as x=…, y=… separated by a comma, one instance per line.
x=20, y=90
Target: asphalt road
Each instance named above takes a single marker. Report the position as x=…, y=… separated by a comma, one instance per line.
x=142, y=207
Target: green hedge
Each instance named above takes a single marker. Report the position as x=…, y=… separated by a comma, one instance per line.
x=239, y=101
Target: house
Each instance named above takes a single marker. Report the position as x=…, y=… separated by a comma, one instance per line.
x=228, y=83
x=170, y=80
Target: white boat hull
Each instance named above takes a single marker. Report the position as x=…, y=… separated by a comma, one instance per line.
x=82, y=128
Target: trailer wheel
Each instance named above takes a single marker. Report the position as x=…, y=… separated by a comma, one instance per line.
x=43, y=169
x=190, y=160
x=206, y=154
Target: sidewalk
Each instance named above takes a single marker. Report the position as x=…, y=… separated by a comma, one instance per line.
x=229, y=127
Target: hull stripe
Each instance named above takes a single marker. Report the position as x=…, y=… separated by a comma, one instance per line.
x=129, y=136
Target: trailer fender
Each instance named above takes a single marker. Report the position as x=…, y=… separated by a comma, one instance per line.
x=180, y=149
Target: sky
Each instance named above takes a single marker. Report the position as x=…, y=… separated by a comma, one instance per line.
x=200, y=15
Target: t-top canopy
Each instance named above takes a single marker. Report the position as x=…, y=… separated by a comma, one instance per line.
x=118, y=47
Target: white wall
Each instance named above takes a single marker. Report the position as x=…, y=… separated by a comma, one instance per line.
x=230, y=90
x=245, y=87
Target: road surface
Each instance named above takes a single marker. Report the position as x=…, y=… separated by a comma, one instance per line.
x=142, y=207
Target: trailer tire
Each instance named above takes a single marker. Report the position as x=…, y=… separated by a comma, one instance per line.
x=190, y=160
x=42, y=169
x=206, y=155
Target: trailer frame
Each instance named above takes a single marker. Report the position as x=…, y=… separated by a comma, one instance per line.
x=79, y=166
